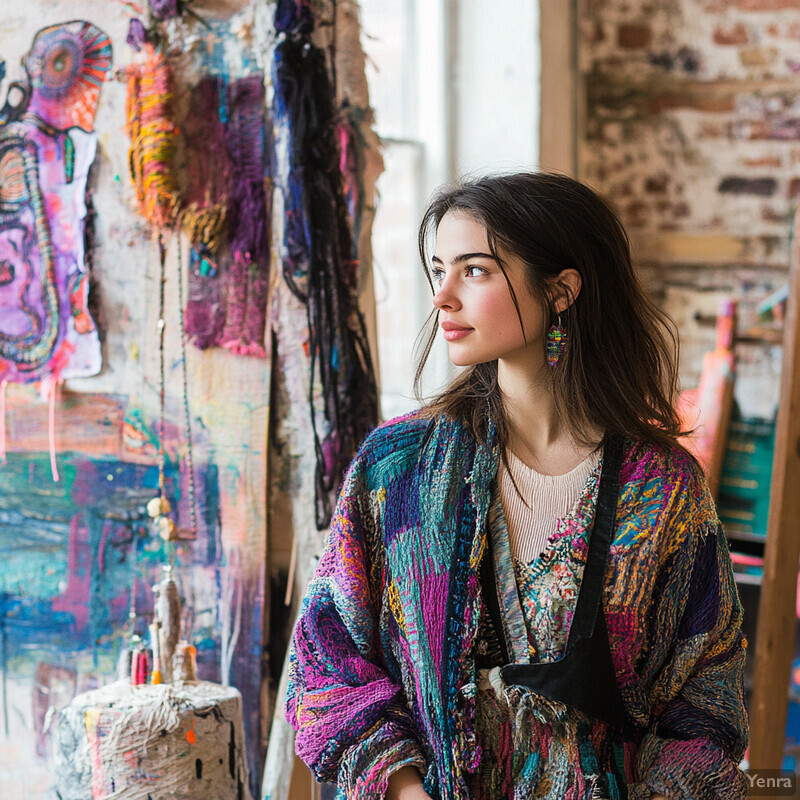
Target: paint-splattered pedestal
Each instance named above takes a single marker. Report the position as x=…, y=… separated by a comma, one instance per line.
x=180, y=740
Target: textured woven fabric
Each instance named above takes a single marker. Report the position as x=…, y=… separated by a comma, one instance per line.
x=382, y=668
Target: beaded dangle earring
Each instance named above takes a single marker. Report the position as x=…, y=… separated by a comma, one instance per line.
x=556, y=341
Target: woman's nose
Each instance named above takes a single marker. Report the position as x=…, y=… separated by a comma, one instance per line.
x=445, y=298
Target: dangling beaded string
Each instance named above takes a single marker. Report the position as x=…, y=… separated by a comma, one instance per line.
x=132, y=611
x=162, y=426
x=187, y=415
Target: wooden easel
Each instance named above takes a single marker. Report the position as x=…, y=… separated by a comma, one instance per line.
x=777, y=618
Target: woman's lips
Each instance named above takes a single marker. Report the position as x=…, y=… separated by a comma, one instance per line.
x=452, y=331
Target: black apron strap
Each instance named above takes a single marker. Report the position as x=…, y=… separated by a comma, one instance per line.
x=594, y=571
x=584, y=677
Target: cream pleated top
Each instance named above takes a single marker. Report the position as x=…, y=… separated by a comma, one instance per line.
x=549, y=498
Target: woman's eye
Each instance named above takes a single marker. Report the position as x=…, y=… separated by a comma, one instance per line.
x=475, y=272
x=437, y=275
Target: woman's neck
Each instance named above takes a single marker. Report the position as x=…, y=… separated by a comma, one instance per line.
x=537, y=434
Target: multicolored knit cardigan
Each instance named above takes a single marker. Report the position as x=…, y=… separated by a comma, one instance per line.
x=383, y=656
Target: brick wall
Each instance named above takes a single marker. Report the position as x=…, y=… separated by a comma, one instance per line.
x=691, y=125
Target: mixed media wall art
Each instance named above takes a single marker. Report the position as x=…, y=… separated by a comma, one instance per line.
x=78, y=560
x=47, y=145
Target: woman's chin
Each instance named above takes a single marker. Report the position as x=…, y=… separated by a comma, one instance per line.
x=461, y=360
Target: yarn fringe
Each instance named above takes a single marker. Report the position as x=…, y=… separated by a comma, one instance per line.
x=320, y=265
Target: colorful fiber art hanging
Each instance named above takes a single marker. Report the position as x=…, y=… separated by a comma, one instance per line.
x=228, y=218
x=247, y=278
x=153, y=136
x=152, y=155
x=217, y=194
x=205, y=220
x=320, y=265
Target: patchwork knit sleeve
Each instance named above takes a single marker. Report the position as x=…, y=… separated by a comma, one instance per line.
x=699, y=727
x=352, y=719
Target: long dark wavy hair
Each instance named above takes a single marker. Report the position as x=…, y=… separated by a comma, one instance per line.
x=618, y=371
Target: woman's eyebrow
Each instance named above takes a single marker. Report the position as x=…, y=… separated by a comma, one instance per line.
x=464, y=257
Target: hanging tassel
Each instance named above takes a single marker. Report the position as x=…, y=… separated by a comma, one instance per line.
x=153, y=137
x=293, y=16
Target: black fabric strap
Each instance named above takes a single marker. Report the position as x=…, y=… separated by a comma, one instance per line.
x=584, y=678
x=594, y=571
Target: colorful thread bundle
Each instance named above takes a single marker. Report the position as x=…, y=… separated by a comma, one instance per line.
x=247, y=278
x=153, y=137
x=228, y=215
x=140, y=667
x=351, y=165
x=206, y=220
x=319, y=264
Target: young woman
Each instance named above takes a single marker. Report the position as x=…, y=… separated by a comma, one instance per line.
x=526, y=590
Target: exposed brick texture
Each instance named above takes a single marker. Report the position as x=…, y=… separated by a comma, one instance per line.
x=763, y=161
x=735, y=34
x=758, y=56
x=767, y=5
x=634, y=36
x=692, y=129
x=764, y=187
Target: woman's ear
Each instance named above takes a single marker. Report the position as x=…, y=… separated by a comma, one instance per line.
x=566, y=287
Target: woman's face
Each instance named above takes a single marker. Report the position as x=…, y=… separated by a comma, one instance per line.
x=477, y=314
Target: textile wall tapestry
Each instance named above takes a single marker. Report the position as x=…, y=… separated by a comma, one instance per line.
x=79, y=554
x=47, y=145
x=199, y=159
x=227, y=215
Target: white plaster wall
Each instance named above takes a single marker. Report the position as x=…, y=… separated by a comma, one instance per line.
x=496, y=65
